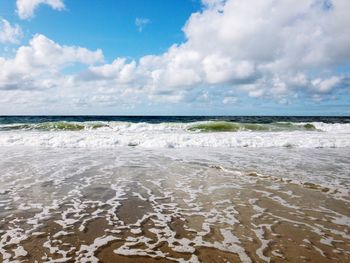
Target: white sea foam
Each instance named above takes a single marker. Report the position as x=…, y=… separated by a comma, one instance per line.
x=206, y=192
x=178, y=135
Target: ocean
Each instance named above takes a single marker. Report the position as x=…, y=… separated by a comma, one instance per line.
x=174, y=189
x=174, y=132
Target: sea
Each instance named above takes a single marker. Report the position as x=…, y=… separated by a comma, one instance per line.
x=174, y=189
x=175, y=131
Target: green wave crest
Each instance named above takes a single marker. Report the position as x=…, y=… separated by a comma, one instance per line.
x=225, y=126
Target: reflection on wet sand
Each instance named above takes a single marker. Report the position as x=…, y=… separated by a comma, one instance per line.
x=149, y=207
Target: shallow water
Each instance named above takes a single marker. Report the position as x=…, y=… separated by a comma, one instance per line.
x=130, y=204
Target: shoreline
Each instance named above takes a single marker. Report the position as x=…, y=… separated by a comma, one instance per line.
x=166, y=206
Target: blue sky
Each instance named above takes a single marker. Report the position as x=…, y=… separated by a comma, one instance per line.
x=109, y=24
x=165, y=57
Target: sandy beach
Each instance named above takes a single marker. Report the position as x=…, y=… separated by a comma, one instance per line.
x=188, y=205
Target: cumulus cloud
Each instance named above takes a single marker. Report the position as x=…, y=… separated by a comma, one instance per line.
x=276, y=49
x=280, y=50
x=26, y=8
x=272, y=45
x=9, y=33
x=37, y=65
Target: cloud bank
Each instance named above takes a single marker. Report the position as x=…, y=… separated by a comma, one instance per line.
x=279, y=50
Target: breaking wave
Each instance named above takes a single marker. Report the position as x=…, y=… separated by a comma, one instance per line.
x=54, y=126
x=225, y=126
x=176, y=134
x=207, y=126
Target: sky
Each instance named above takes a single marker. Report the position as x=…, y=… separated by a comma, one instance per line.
x=167, y=57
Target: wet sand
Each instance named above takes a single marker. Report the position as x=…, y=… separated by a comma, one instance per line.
x=142, y=206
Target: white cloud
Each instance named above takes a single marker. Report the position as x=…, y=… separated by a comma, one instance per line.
x=277, y=38
x=119, y=70
x=220, y=69
x=26, y=8
x=37, y=66
x=265, y=49
x=141, y=23
x=326, y=85
x=273, y=46
x=9, y=33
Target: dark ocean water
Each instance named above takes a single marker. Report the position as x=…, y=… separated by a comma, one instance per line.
x=173, y=119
